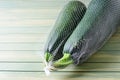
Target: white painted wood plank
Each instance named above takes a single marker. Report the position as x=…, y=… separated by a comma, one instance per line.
x=28, y=14
x=39, y=67
x=18, y=46
x=60, y=76
x=30, y=4
x=25, y=30
x=23, y=37
x=27, y=23
x=20, y=56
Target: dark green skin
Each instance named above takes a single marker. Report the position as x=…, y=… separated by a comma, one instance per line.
x=97, y=26
x=67, y=21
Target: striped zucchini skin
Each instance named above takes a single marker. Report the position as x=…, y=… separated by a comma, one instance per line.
x=97, y=26
x=66, y=22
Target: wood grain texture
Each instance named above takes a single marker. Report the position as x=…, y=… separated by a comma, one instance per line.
x=24, y=28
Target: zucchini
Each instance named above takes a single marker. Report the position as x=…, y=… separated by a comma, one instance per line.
x=97, y=26
x=66, y=22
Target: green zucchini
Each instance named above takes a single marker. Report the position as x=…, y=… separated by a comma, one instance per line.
x=65, y=24
x=97, y=26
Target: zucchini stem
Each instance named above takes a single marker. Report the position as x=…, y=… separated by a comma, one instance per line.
x=64, y=61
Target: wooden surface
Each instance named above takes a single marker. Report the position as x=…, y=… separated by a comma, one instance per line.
x=24, y=27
